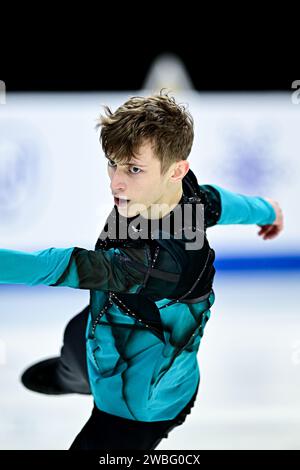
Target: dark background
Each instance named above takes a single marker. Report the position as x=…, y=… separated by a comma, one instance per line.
x=111, y=45
x=123, y=67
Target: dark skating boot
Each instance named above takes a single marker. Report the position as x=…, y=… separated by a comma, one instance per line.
x=42, y=378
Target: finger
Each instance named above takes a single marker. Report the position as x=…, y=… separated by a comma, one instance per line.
x=267, y=232
x=272, y=233
x=264, y=229
x=270, y=229
x=270, y=237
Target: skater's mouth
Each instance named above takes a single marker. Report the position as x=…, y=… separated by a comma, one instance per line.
x=120, y=202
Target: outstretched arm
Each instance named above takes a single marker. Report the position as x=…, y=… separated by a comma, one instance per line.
x=72, y=267
x=226, y=207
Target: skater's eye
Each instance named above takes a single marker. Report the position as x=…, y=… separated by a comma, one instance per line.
x=140, y=171
x=112, y=164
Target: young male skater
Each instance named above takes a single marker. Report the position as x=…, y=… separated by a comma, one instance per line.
x=134, y=347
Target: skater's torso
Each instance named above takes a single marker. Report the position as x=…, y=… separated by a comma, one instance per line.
x=142, y=345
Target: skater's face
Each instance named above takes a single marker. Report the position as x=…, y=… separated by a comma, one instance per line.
x=143, y=189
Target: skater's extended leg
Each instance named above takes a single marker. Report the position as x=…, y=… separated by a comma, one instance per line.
x=66, y=373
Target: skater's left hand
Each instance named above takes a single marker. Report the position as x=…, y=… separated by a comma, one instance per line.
x=272, y=230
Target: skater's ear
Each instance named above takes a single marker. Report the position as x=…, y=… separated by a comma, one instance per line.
x=178, y=170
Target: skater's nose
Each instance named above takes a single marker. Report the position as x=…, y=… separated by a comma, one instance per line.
x=118, y=181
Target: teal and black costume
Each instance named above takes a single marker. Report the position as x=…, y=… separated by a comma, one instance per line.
x=149, y=303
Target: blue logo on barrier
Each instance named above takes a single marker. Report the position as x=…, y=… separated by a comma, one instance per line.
x=22, y=176
x=251, y=162
x=18, y=175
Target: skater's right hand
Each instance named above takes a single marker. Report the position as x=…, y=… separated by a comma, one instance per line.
x=272, y=230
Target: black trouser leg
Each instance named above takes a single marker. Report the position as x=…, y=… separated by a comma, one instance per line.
x=104, y=431
x=72, y=371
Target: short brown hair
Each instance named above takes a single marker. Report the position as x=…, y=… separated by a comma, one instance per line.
x=158, y=119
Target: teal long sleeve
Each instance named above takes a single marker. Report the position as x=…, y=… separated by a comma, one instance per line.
x=242, y=209
x=70, y=267
x=39, y=267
